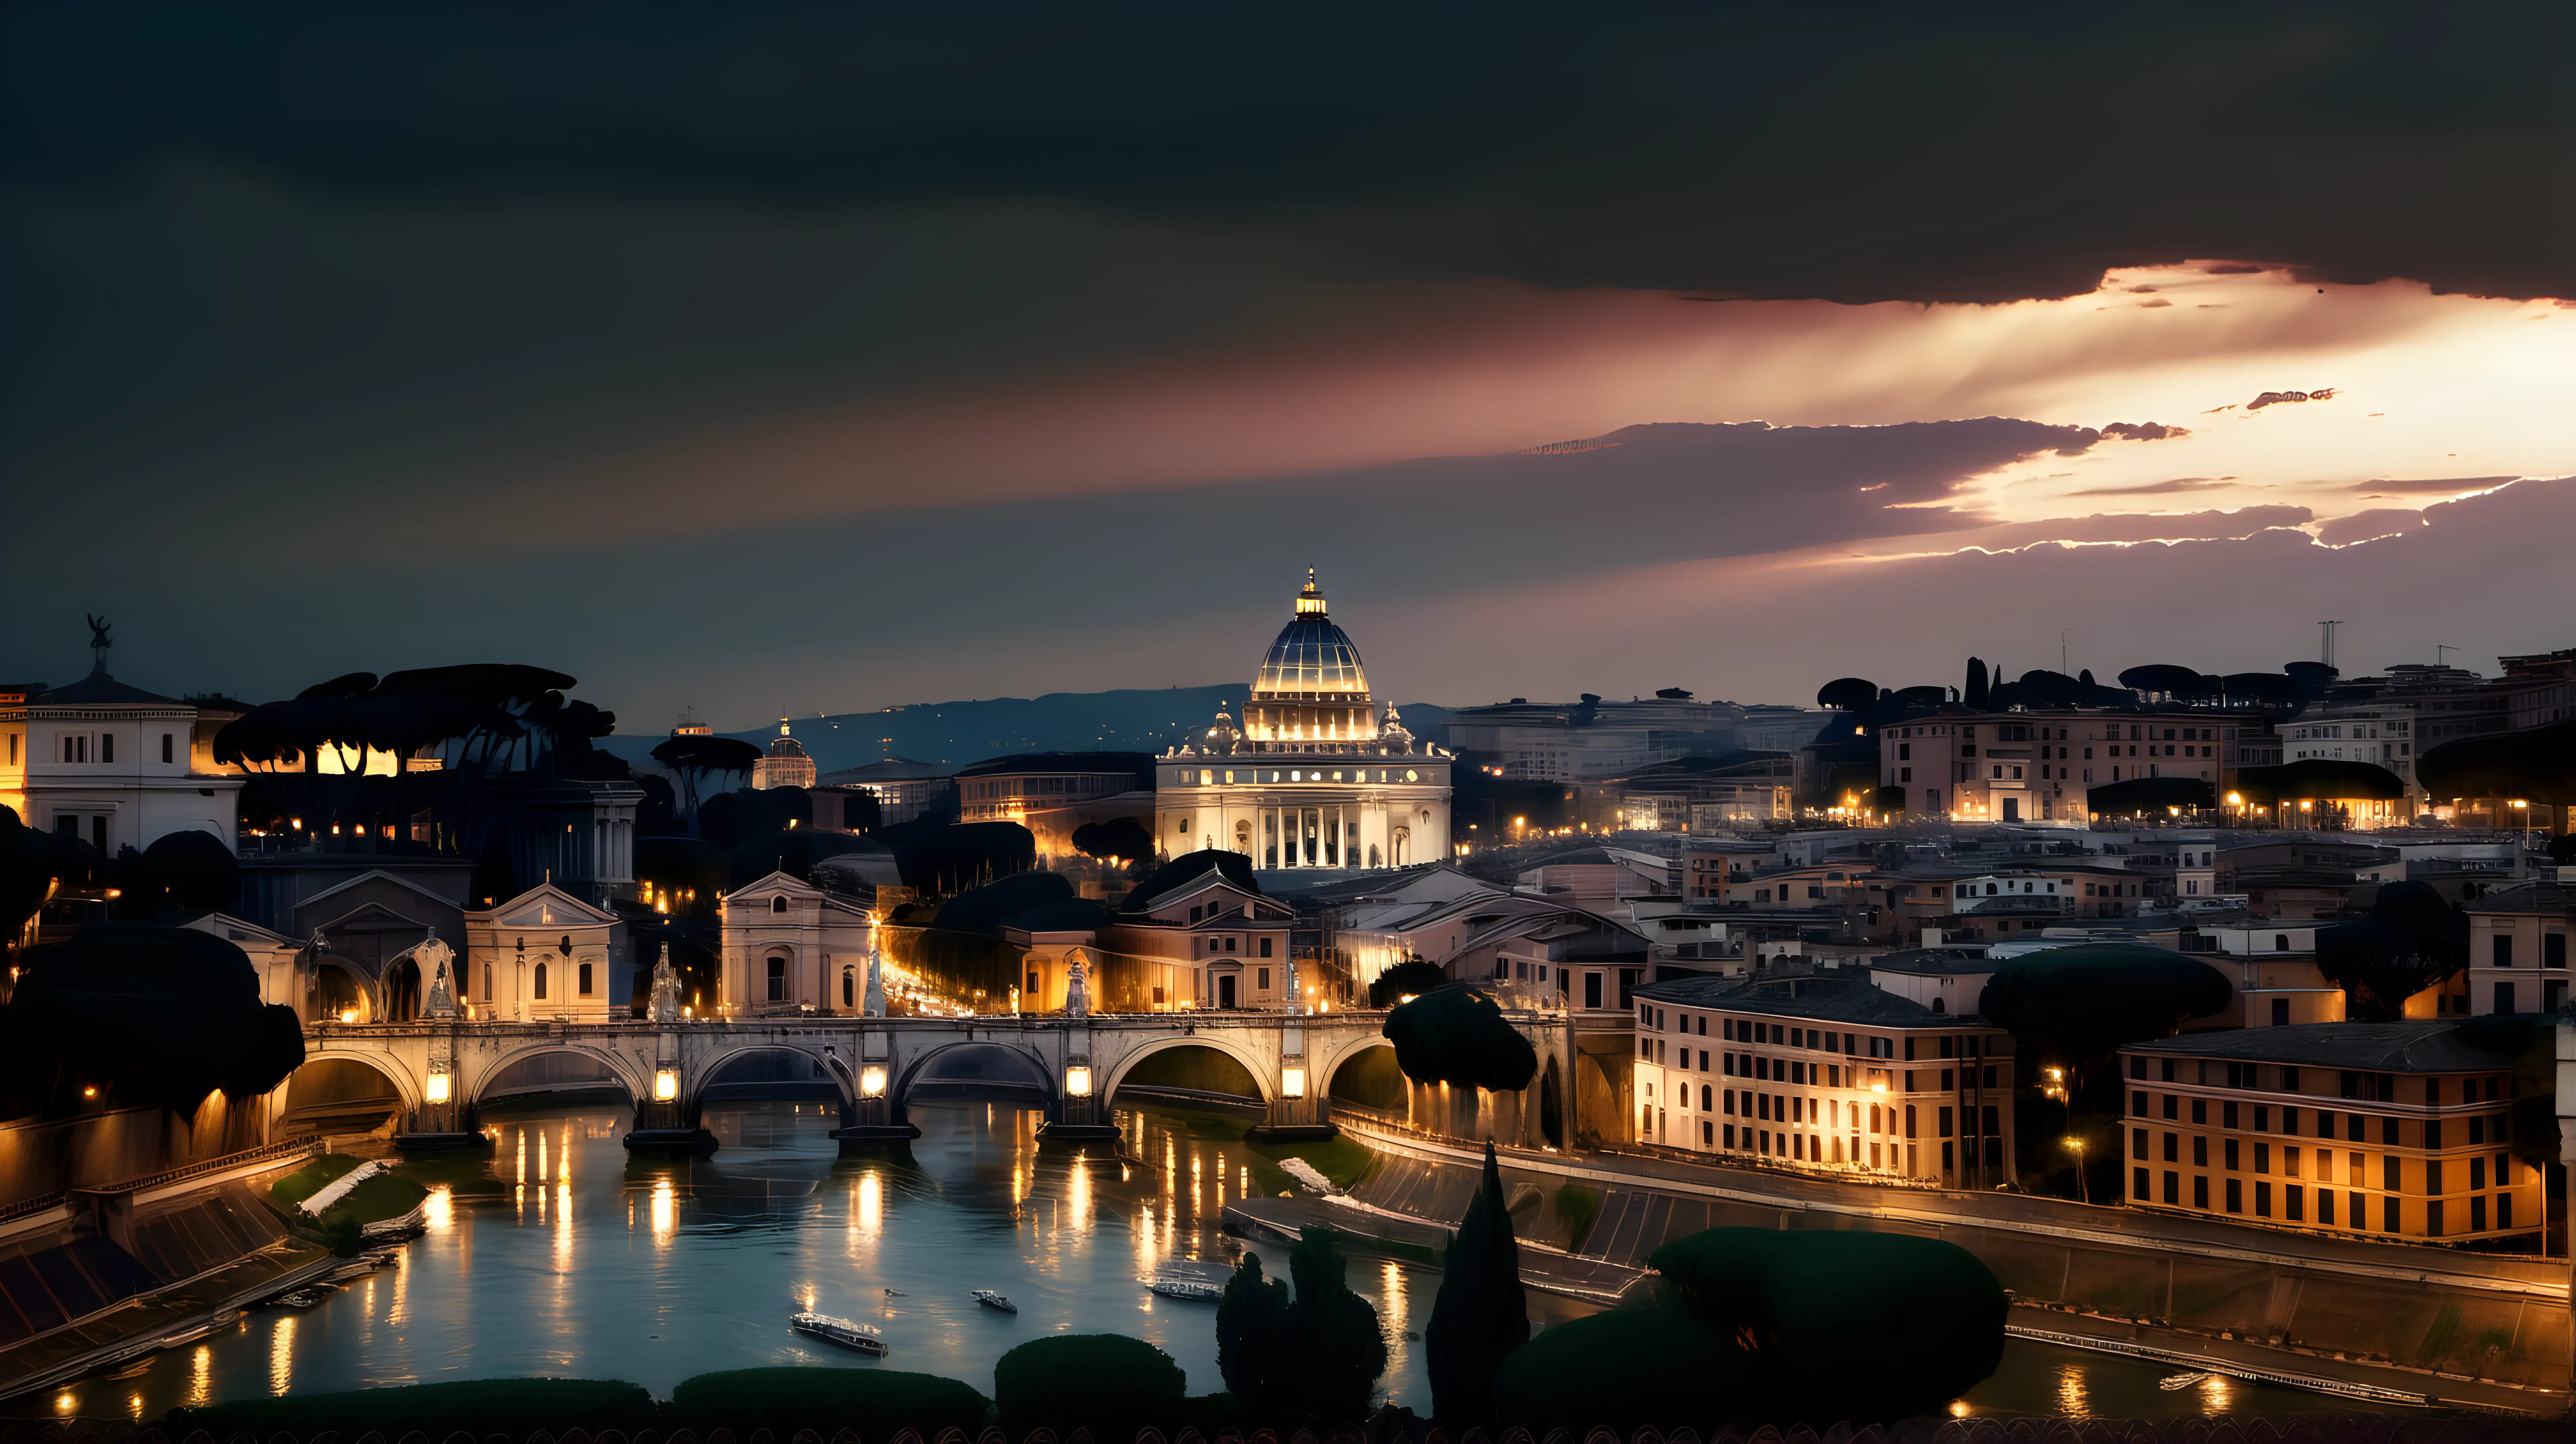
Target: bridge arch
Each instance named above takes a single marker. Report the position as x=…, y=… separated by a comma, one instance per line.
x=831, y=1066
x=1330, y=1075
x=1264, y=1071
x=620, y=1069
x=918, y=1071
x=322, y=1068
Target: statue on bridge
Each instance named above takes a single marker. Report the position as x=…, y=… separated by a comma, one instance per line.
x=873, y=1003
x=1077, y=985
x=665, y=1007
x=433, y=956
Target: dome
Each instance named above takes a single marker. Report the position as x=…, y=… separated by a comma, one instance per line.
x=785, y=746
x=1312, y=660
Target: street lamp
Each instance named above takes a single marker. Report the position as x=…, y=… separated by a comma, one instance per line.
x=666, y=1084
x=1077, y=1081
x=439, y=1086
x=1292, y=1081
x=2083, y=1187
x=872, y=1081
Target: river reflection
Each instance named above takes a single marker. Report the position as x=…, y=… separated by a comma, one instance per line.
x=556, y=1253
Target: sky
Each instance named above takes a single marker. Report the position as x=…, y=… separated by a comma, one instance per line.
x=812, y=359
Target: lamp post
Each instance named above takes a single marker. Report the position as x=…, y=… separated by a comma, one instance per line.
x=2083, y=1186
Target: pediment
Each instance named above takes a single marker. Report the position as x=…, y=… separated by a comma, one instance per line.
x=545, y=906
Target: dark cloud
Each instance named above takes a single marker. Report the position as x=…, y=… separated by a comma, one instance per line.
x=2143, y=431
x=2232, y=268
x=1776, y=151
x=2289, y=398
x=753, y=612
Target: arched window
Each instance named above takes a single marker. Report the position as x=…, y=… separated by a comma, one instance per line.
x=778, y=979
x=849, y=988
x=537, y=985
x=1705, y=1098
x=778, y=904
x=1940, y=1005
x=2280, y=942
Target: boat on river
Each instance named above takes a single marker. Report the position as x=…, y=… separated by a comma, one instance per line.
x=2176, y=1383
x=1172, y=1287
x=991, y=1300
x=853, y=1336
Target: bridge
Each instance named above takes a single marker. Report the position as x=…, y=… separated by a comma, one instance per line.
x=443, y=1072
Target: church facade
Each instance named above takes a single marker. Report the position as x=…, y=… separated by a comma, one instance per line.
x=1314, y=776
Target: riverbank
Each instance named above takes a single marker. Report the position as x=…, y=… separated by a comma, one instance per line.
x=1646, y=1202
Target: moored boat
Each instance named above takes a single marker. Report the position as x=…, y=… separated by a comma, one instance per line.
x=848, y=1335
x=992, y=1300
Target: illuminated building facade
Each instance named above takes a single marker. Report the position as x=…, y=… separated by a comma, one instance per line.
x=1315, y=776
x=785, y=765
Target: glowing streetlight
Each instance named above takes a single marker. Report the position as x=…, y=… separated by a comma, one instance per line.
x=439, y=1087
x=872, y=1081
x=2083, y=1186
x=1292, y=1081
x=666, y=1084
x=1077, y=1080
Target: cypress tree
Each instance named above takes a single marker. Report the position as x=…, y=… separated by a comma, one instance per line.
x=1974, y=694
x=1481, y=1315
x=1335, y=1346
x=1252, y=1340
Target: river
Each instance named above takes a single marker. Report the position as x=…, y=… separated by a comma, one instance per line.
x=557, y=1254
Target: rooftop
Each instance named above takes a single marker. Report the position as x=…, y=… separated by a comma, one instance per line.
x=2420, y=1046
x=1841, y=996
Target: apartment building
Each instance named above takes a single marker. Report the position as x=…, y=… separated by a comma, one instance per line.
x=2038, y=766
x=2399, y=1130
x=2518, y=946
x=1824, y=1070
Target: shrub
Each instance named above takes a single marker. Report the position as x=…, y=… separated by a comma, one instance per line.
x=1480, y=1315
x=1334, y=1343
x=1927, y=1314
x=878, y=1403
x=475, y=1406
x=1627, y=1370
x=1108, y=1383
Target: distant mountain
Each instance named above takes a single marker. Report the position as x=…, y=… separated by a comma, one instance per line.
x=957, y=733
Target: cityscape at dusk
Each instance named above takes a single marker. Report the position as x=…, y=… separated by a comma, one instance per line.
x=1231, y=724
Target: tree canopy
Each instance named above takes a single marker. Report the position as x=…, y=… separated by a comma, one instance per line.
x=1457, y=1035
x=1932, y=1324
x=1252, y=1340
x=2080, y=1003
x=147, y=1014
x=1413, y=976
x=1120, y=839
x=2537, y=764
x=1334, y=1343
x=2411, y=940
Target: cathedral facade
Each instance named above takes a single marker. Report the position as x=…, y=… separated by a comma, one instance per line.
x=1315, y=775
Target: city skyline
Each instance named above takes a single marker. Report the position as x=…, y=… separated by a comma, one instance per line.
x=797, y=394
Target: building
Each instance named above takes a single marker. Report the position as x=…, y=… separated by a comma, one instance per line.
x=2518, y=946
x=1592, y=740
x=1198, y=933
x=1053, y=793
x=2381, y=732
x=791, y=947
x=545, y=956
x=112, y=764
x=901, y=786
x=2399, y=1130
x=1824, y=1070
x=1313, y=777
x=784, y=765
x=2039, y=766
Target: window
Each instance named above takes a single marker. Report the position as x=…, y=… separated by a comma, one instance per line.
x=537, y=988
x=586, y=989
x=165, y=747
x=778, y=980
x=1265, y=948
x=107, y=747
x=778, y=904
x=1261, y=978
x=2503, y=957
x=2553, y=950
